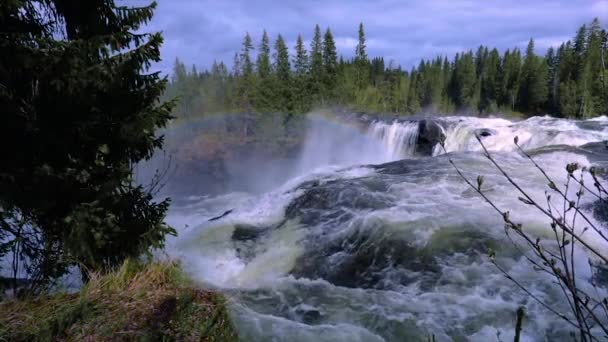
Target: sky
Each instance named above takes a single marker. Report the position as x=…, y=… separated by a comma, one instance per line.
x=201, y=31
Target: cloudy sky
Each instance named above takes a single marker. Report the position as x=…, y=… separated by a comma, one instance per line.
x=199, y=31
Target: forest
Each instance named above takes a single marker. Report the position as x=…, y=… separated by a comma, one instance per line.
x=568, y=81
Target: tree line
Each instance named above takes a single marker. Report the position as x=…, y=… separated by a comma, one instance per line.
x=569, y=81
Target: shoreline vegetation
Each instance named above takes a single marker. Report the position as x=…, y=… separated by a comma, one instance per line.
x=143, y=302
x=83, y=109
x=570, y=80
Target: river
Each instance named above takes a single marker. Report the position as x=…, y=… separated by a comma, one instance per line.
x=367, y=239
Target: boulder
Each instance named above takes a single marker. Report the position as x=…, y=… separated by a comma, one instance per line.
x=430, y=133
x=485, y=132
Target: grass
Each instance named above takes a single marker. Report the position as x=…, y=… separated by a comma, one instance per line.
x=152, y=302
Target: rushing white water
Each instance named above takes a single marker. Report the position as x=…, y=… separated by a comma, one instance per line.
x=532, y=133
x=393, y=252
x=398, y=138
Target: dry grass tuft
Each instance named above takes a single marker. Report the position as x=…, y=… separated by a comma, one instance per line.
x=153, y=302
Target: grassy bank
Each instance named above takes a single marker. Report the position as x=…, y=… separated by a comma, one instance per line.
x=153, y=302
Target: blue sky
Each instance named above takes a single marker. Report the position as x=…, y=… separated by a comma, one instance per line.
x=199, y=31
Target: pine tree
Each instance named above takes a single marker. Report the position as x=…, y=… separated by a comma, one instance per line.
x=533, y=86
x=262, y=98
x=511, y=71
x=330, y=65
x=246, y=64
x=582, y=74
x=361, y=60
x=263, y=60
x=567, y=89
x=466, y=80
x=301, y=59
x=413, y=99
x=301, y=91
x=552, y=60
x=489, y=82
x=316, y=64
x=236, y=65
x=245, y=84
x=80, y=110
x=594, y=70
x=360, y=52
x=446, y=103
x=580, y=47
x=282, y=70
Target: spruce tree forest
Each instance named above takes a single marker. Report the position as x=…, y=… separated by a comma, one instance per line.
x=568, y=81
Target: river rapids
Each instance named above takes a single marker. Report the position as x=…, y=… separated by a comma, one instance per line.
x=370, y=240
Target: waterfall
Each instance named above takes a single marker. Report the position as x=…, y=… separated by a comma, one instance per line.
x=399, y=138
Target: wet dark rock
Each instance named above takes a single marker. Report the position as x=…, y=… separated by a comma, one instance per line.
x=364, y=259
x=592, y=125
x=243, y=232
x=599, y=148
x=309, y=316
x=246, y=240
x=430, y=133
x=600, y=211
x=485, y=132
x=335, y=199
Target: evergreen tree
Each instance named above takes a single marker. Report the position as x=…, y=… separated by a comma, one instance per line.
x=413, y=99
x=264, y=93
x=301, y=59
x=582, y=73
x=489, y=82
x=330, y=65
x=263, y=60
x=552, y=60
x=361, y=60
x=594, y=71
x=245, y=81
x=246, y=64
x=282, y=70
x=316, y=64
x=511, y=70
x=301, y=91
x=465, y=80
x=80, y=111
x=533, y=87
x=567, y=89
x=360, y=52
x=446, y=103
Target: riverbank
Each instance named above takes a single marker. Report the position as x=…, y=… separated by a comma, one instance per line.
x=137, y=302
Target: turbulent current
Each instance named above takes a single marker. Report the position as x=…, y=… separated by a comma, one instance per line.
x=373, y=239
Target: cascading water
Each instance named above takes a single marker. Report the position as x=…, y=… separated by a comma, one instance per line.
x=398, y=138
x=393, y=251
x=533, y=133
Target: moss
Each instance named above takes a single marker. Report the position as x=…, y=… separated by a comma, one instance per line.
x=153, y=302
